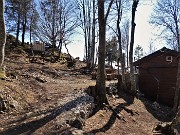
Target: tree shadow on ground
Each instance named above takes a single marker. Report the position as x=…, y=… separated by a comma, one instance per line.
x=129, y=99
x=126, y=96
x=111, y=121
x=161, y=112
x=30, y=127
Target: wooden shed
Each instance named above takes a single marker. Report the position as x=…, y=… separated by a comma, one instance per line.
x=157, y=75
x=38, y=46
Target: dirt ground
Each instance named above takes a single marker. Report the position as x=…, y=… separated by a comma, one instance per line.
x=33, y=93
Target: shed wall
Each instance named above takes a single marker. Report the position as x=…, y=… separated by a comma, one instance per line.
x=157, y=79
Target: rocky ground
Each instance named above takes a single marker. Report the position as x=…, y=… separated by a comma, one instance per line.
x=46, y=98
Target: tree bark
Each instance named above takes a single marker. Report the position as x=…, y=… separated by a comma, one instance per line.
x=85, y=31
x=120, y=45
x=53, y=28
x=176, y=96
x=2, y=34
x=18, y=29
x=89, y=34
x=133, y=25
x=93, y=36
x=100, y=82
x=24, y=28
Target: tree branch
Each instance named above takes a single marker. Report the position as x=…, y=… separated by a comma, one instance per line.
x=108, y=10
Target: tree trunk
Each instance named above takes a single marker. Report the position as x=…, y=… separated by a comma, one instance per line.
x=60, y=47
x=2, y=37
x=176, y=96
x=126, y=28
x=24, y=28
x=18, y=29
x=133, y=25
x=89, y=35
x=85, y=31
x=30, y=34
x=53, y=28
x=93, y=36
x=100, y=82
x=119, y=40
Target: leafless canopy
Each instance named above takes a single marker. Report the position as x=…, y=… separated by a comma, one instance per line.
x=166, y=15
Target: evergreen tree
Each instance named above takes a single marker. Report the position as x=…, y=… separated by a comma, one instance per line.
x=138, y=52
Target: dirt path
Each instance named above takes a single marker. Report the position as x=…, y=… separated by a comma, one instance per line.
x=44, y=97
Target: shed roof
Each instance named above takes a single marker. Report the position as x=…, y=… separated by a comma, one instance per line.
x=159, y=52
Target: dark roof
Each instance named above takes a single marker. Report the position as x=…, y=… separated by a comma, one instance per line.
x=162, y=51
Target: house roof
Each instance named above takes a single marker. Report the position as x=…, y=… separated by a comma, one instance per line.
x=162, y=51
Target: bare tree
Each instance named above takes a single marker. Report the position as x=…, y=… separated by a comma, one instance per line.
x=166, y=16
x=56, y=22
x=87, y=19
x=92, y=60
x=121, y=57
x=2, y=35
x=133, y=25
x=100, y=82
x=151, y=47
x=32, y=21
x=125, y=39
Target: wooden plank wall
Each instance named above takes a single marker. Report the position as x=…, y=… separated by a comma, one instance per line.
x=38, y=46
x=157, y=79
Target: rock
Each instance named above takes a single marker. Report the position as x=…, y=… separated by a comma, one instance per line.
x=1, y=129
x=77, y=132
x=77, y=123
x=14, y=104
x=48, y=98
x=82, y=114
x=164, y=129
x=3, y=105
x=2, y=74
x=42, y=80
x=66, y=75
x=77, y=107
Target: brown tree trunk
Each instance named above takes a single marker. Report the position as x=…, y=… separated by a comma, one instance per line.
x=120, y=46
x=176, y=96
x=53, y=28
x=100, y=82
x=133, y=25
x=2, y=36
x=175, y=122
x=60, y=48
x=85, y=31
x=93, y=36
x=24, y=28
x=18, y=29
x=89, y=35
